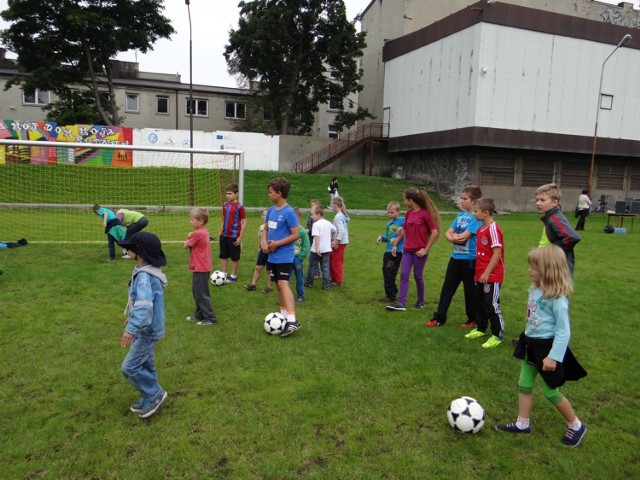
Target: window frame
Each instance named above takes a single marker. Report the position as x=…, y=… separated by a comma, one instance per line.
x=198, y=102
x=36, y=97
x=165, y=98
x=127, y=97
x=235, y=105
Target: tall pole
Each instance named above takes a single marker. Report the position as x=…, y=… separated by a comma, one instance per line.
x=192, y=195
x=621, y=43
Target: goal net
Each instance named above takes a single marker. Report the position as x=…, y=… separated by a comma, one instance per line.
x=48, y=189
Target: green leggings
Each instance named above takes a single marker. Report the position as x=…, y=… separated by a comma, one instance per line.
x=527, y=380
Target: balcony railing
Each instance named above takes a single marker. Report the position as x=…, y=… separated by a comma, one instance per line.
x=341, y=146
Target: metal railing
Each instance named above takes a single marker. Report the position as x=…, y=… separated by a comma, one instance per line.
x=339, y=147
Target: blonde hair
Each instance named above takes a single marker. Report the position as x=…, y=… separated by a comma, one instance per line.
x=555, y=278
x=551, y=190
x=200, y=213
x=338, y=202
x=393, y=205
x=423, y=200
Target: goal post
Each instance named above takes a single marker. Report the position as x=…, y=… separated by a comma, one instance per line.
x=48, y=189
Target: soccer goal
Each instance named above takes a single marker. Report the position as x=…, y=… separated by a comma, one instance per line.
x=48, y=189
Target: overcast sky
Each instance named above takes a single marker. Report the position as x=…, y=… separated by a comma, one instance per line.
x=211, y=22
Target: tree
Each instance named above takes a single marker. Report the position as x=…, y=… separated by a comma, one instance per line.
x=65, y=43
x=297, y=54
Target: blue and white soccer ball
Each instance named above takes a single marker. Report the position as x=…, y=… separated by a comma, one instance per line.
x=218, y=278
x=466, y=415
x=274, y=323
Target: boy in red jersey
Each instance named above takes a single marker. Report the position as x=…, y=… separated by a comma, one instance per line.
x=200, y=265
x=489, y=274
x=234, y=223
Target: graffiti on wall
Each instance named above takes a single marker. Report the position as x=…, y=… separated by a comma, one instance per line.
x=52, y=132
x=622, y=18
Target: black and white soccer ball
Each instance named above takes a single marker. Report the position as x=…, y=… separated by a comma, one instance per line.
x=274, y=323
x=466, y=415
x=218, y=278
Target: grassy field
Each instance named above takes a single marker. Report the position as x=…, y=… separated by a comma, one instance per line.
x=357, y=393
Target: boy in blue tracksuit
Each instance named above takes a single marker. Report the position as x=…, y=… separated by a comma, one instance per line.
x=393, y=253
x=144, y=325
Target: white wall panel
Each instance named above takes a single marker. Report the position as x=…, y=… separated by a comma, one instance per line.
x=503, y=77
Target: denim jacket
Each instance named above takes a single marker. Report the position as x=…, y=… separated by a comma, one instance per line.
x=146, y=302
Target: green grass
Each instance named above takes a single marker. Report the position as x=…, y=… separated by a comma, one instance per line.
x=358, y=392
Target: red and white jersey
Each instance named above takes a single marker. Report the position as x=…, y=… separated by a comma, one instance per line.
x=488, y=238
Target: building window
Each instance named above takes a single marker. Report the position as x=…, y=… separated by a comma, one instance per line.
x=132, y=102
x=634, y=178
x=201, y=107
x=537, y=172
x=235, y=110
x=574, y=175
x=162, y=105
x=497, y=171
x=333, y=131
x=334, y=103
x=35, y=97
x=610, y=176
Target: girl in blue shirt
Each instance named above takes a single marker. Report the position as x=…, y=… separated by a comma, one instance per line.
x=544, y=345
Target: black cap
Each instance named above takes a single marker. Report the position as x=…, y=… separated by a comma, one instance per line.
x=146, y=245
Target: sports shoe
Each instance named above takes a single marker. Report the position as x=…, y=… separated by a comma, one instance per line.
x=433, y=323
x=125, y=256
x=468, y=325
x=267, y=290
x=230, y=279
x=290, y=328
x=475, y=333
x=573, y=437
x=151, y=408
x=335, y=284
x=138, y=406
x=418, y=306
x=512, y=428
x=191, y=318
x=208, y=322
x=396, y=307
x=493, y=342
x=249, y=287
x=300, y=299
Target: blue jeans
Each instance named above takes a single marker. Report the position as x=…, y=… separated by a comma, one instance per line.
x=139, y=368
x=298, y=269
x=325, y=264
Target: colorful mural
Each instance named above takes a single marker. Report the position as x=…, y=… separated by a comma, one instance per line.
x=52, y=132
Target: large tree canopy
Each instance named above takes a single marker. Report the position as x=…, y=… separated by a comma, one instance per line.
x=64, y=43
x=285, y=49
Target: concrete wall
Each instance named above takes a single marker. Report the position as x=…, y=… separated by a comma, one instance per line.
x=503, y=77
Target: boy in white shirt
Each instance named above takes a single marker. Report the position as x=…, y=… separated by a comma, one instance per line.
x=322, y=233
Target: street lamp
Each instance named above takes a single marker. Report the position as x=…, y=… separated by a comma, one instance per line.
x=192, y=199
x=621, y=43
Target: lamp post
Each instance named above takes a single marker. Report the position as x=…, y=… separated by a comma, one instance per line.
x=621, y=43
x=191, y=106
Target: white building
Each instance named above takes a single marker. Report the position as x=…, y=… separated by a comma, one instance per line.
x=506, y=96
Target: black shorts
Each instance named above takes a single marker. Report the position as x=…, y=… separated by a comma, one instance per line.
x=279, y=271
x=262, y=258
x=228, y=249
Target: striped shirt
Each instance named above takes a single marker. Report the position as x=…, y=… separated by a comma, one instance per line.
x=233, y=213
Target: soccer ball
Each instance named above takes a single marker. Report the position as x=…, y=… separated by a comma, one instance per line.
x=466, y=415
x=274, y=323
x=218, y=278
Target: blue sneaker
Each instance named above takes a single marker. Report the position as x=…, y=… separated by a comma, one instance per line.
x=138, y=406
x=573, y=437
x=512, y=428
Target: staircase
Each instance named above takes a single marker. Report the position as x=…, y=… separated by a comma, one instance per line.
x=341, y=146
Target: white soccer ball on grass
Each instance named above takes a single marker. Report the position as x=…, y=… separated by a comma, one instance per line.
x=274, y=323
x=466, y=415
x=218, y=278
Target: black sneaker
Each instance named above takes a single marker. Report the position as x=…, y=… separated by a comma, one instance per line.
x=250, y=287
x=573, y=437
x=290, y=328
x=418, y=306
x=396, y=307
x=512, y=428
x=208, y=322
x=151, y=408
